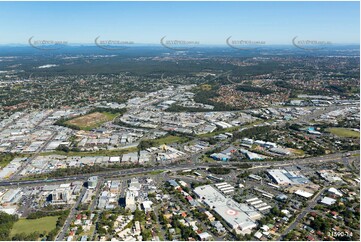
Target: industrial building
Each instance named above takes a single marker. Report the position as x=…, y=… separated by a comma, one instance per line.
x=220, y=157
x=280, y=151
x=251, y=155
x=284, y=177
x=11, y=196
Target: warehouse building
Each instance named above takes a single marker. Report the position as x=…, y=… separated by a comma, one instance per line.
x=284, y=177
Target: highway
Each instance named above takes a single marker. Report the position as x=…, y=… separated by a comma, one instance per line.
x=337, y=157
x=105, y=174
x=194, y=160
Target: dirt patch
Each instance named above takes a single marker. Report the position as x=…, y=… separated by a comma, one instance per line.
x=91, y=120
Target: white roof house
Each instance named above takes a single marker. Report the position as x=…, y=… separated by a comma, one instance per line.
x=335, y=191
x=204, y=236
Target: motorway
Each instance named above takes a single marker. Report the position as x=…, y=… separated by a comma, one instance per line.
x=193, y=158
x=337, y=157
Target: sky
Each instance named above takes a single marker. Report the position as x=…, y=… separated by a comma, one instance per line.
x=205, y=22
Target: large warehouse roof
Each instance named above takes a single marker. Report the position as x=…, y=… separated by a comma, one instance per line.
x=240, y=216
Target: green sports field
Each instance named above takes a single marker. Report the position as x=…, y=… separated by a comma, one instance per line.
x=29, y=226
x=344, y=132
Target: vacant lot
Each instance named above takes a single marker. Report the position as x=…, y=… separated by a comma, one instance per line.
x=169, y=139
x=29, y=226
x=343, y=132
x=206, y=87
x=91, y=121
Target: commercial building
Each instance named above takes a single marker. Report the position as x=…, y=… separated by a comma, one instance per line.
x=130, y=201
x=238, y=216
x=224, y=187
x=220, y=156
x=92, y=182
x=11, y=196
x=174, y=184
x=284, y=177
x=328, y=201
x=132, y=194
x=303, y=194
x=60, y=196
x=147, y=206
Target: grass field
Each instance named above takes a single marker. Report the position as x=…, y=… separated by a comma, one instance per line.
x=5, y=159
x=91, y=120
x=29, y=226
x=114, y=152
x=208, y=159
x=155, y=172
x=344, y=132
x=169, y=139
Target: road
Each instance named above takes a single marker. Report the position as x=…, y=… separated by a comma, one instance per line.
x=96, y=195
x=36, y=127
x=176, y=167
x=94, y=203
x=310, y=117
x=29, y=160
x=104, y=174
x=310, y=205
x=70, y=218
x=304, y=212
x=194, y=158
x=11, y=123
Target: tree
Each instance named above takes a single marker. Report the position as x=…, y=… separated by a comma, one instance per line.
x=80, y=229
x=6, y=223
x=146, y=234
x=63, y=148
